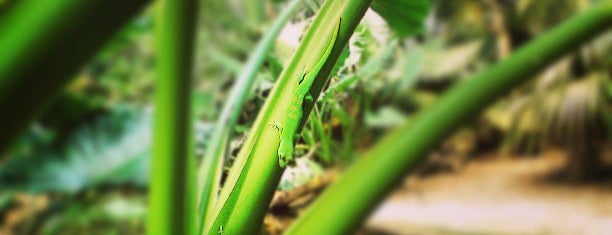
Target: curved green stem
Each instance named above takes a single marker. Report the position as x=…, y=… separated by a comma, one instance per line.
x=346, y=203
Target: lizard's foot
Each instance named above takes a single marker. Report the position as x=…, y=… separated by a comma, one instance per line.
x=285, y=154
x=276, y=125
x=281, y=163
x=284, y=162
x=308, y=97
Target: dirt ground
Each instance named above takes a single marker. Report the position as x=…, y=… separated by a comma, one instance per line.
x=496, y=195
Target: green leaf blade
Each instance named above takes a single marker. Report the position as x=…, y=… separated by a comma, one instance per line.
x=403, y=23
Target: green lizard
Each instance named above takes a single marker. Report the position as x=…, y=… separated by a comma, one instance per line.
x=294, y=114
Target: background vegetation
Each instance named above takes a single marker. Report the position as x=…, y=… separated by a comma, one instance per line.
x=83, y=166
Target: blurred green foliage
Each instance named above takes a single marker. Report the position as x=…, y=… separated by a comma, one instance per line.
x=86, y=141
x=112, y=149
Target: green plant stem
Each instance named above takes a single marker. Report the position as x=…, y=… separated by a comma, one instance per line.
x=211, y=168
x=42, y=45
x=172, y=190
x=346, y=203
x=252, y=180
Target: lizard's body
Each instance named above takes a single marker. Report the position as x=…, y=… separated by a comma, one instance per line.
x=294, y=114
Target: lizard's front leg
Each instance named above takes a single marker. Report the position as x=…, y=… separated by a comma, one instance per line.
x=277, y=126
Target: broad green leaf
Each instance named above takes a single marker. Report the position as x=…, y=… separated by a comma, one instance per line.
x=405, y=17
x=112, y=149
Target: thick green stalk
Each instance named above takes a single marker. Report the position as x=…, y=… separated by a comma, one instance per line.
x=346, y=203
x=253, y=179
x=42, y=45
x=172, y=190
x=211, y=168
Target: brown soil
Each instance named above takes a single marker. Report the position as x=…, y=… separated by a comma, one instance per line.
x=498, y=195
